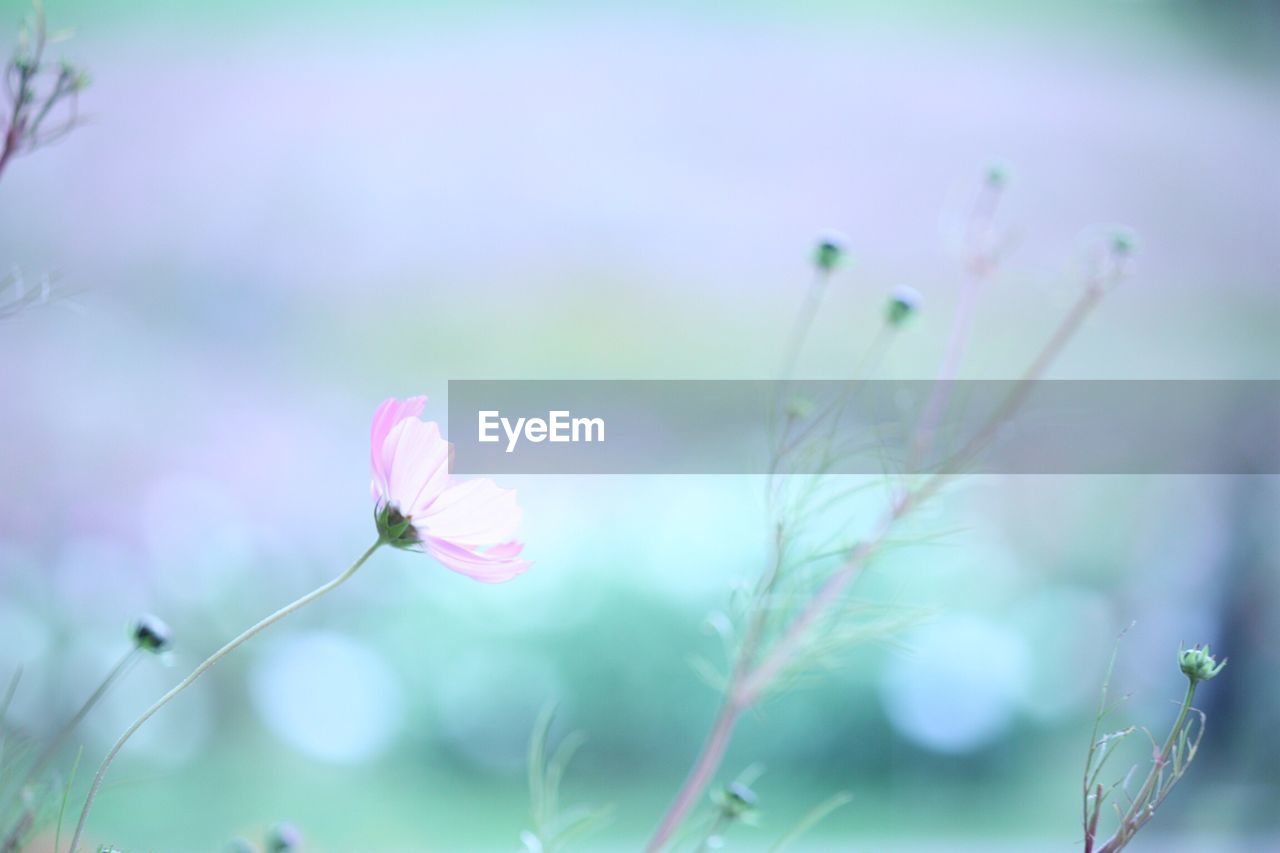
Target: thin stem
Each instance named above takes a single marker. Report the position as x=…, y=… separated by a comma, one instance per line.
x=202, y=669
x=957, y=342
x=860, y=376
x=874, y=354
x=55, y=745
x=982, y=262
x=760, y=678
x=1132, y=819
x=749, y=682
x=700, y=776
x=733, y=706
x=27, y=69
x=804, y=322
x=1071, y=324
x=17, y=119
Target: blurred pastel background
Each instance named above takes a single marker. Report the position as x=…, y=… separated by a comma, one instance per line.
x=280, y=214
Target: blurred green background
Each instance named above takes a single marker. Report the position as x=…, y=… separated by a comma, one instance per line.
x=280, y=214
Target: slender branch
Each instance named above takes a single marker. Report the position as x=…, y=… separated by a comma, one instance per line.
x=17, y=120
x=941, y=391
x=982, y=262
x=731, y=708
x=204, y=667
x=1140, y=809
x=23, y=129
x=26, y=69
x=750, y=681
x=704, y=768
x=1071, y=324
x=781, y=653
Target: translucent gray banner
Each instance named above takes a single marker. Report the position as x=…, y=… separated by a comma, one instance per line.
x=872, y=427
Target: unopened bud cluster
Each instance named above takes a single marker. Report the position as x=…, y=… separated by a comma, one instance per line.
x=1198, y=664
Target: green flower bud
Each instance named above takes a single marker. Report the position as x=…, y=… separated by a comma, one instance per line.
x=997, y=176
x=151, y=634
x=1198, y=664
x=830, y=251
x=903, y=302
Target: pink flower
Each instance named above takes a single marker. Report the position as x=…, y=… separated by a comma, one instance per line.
x=468, y=525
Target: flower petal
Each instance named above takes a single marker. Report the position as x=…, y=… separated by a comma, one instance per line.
x=494, y=565
x=416, y=459
x=390, y=413
x=472, y=513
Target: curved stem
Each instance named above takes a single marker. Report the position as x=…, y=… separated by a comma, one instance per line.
x=201, y=670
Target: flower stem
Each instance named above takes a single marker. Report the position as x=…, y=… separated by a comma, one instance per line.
x=803, y=324
x=202, y=669
x=957, y=342
x=700, y=776
x=1133, y=819
x=982, y=263
x=751, y=678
